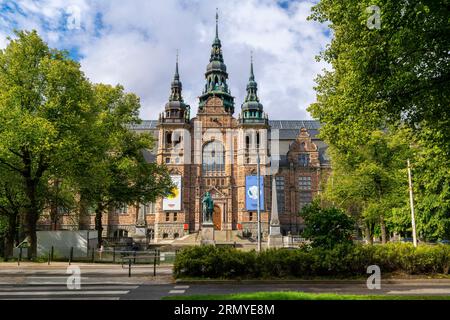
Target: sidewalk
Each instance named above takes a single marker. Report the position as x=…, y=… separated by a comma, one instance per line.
x=11, y=269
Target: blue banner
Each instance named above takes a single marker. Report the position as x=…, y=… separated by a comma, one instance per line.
x=251, y=193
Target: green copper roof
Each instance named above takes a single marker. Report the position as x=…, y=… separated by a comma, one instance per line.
x=216, y=76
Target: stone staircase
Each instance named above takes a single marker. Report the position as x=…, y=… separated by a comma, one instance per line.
x=223, y=237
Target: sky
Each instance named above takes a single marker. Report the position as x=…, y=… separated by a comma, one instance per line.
x=134, y=43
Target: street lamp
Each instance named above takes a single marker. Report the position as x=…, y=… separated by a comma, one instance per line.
x=411, y=201
x=258, y=206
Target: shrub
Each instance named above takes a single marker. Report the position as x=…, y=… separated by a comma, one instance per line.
x=327, y=227
x=342, y=260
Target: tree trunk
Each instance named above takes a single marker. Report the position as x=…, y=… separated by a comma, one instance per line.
x=10, y=236
x=369, y=234
x=383, y=230
x=98, y=224
x=31, y=218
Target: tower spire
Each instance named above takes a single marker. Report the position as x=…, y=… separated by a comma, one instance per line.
x=177, y=76
x=252, y=76
x=252, y=109
x=217, y=23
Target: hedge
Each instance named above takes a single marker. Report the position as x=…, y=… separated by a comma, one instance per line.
x=341, y=261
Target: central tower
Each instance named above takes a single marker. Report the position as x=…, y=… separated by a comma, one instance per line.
x=216, y=77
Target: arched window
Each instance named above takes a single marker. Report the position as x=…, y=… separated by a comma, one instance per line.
x=213, y=157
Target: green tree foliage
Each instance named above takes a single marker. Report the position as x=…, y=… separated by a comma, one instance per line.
x=431, y=175
x=400, y=71
x=64, y=139
x=370, y=181
x=395, y=75
x=116, y=172
x=327, y=227
x=44, y=108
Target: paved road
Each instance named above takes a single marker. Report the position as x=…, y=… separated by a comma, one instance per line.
x=147, y=290
x=152, y=292
x=31, y=281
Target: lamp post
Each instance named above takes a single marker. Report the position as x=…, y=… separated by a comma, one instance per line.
x=258, y=206
x=411, y=201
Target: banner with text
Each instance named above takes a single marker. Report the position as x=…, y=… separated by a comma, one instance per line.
x=173, y=202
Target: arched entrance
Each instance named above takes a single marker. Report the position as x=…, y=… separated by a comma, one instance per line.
x=217, y=218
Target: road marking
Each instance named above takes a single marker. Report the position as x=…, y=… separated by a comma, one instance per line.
x=177, y=291
x=64, y=288
x=181, y=287
x=79, y=298
x=421, y=291
x=67, y=293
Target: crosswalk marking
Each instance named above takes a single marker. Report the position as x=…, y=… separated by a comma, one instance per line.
x=176, y=291
x=60, y=288
x=57, y=293
x=61, y=292
x=181, y=287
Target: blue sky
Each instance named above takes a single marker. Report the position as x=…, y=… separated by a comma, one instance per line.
x=134, y=43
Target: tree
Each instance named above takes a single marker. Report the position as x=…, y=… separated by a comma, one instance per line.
x=327, y=227
x=116, y=172
x=399, y=72
x=395, y=75
x=12, y=203
x=370, y=180
x=45, y=106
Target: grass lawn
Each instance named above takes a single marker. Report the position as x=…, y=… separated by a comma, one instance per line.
x=286, y=295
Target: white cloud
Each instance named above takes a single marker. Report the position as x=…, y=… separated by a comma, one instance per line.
x=134, y=43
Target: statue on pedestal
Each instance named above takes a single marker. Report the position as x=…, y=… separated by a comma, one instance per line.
x=207, y=208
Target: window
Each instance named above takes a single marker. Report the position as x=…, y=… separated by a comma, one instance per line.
x=247, y=142
x=148, y=208
x=175, y=216
x=120, y=233
x=213, y=157
x=305, y=198
x=257, y=140
x=169, y=137
x=303, y=159
x=167, y=160
x=167, y=216
x=123, y=209
x=176, y=235
x=304, y=183
x=250, y=216
x=280, y=193
x=165, y=235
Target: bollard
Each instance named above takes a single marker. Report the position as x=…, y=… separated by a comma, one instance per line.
x=114, y=254
x=129, y=268
x=52, y=257
x=71, y=256
x=49, y=255
x=93, y=255
x=134, y=257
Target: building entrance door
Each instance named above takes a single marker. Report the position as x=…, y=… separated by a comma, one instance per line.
x=217, y=218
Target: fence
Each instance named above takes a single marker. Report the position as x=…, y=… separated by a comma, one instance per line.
x=165, y=256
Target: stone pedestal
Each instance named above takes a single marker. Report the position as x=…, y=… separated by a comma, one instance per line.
x=207, y=234
x=275, y=238
x=140, y=234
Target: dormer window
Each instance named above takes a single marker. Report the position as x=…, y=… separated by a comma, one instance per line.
x=303, y=159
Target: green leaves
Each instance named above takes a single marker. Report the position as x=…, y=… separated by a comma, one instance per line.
x=327, y=227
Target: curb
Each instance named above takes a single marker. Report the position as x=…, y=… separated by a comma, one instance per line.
x=306, y=282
